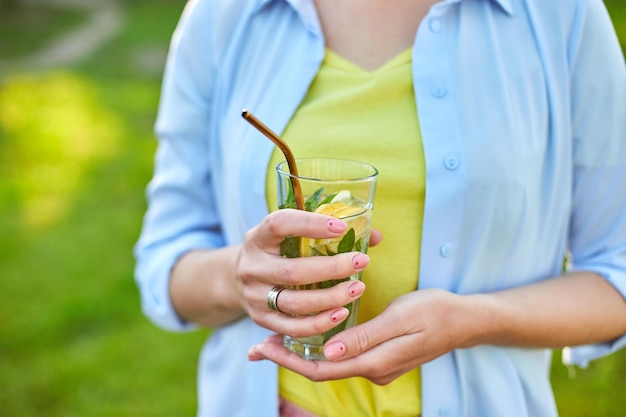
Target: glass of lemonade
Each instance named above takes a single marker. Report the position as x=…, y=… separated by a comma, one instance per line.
x=336, y=187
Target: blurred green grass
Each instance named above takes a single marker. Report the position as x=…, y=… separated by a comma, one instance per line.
x=76, y=152
x=48, y=21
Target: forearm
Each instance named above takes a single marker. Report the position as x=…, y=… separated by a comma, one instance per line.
x=203, y=288
x=570, y=310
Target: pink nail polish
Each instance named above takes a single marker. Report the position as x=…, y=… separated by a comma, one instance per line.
x=336, y=226
x=334, y=350
x=360, y=261
x=356, y=288
x=339, y=315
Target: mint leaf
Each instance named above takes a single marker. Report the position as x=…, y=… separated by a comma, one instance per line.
x=316, y=251
x=328, y=199
x=347, y=242
x=313, y=201
x=290, y=247
x=291, y=198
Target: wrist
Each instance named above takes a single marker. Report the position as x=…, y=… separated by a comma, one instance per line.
x=482, y=320
x=203, y=287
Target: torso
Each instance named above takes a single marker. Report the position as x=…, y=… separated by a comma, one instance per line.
x=370, y=32
x=346, y=106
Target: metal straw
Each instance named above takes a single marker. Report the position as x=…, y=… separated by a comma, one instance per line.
x=282, y=145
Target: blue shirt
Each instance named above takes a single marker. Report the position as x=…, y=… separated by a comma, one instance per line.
x=522, y=106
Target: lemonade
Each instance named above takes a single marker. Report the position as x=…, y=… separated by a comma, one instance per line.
x=354, y=212
x=339, y=188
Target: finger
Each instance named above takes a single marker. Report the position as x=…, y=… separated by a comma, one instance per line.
x=300, y=271
x=273, y=349
x=380, y=365
x=314, y=269
x=255, y=354
x=304, y=313
x=290, y=222
x=298, y=302
x=362, y=338
x=303, y=301
x=375, y=237
x=304, y=325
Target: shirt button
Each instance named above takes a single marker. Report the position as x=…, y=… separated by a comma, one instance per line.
x=434, y=25
x=445, y=250
x=451, y=163
x=439, y=92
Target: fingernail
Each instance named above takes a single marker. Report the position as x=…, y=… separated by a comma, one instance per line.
x=336, y=226
x=360, y=261
x=334, y=350
x=339, y=315
x=356, y=288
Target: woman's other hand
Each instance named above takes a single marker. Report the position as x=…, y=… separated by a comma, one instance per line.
x=414, y=329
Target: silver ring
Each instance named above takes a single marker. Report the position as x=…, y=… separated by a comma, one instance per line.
x=272, y=298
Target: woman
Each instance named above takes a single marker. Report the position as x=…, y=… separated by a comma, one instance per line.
x=498, y=130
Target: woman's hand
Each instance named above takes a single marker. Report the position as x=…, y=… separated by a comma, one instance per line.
x=574, y=309
x=214, y=287
x=414, y=329
x=260, y=267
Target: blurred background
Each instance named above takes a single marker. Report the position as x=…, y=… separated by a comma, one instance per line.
x=79, y=86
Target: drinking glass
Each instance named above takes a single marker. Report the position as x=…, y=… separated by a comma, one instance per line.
x=336, y=187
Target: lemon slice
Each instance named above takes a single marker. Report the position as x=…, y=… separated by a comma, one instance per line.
x=338, y=209
x=360, y=226
x=305, y=246
x=343, y=195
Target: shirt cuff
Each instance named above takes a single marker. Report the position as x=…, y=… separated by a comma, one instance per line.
x=152, y=275
x=582, y=355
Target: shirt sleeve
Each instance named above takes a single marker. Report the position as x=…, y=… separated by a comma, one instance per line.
x=598, y=225
x=181, y=213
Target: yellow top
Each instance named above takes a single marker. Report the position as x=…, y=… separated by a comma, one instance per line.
x=351, y=113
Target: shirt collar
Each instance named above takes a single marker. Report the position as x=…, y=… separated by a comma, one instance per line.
x=506, y=6
x=308, y=14
x=304, y=8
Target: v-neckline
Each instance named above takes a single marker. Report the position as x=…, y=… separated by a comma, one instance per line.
x=335, y=60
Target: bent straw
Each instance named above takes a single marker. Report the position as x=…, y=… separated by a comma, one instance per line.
x=282, y=145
